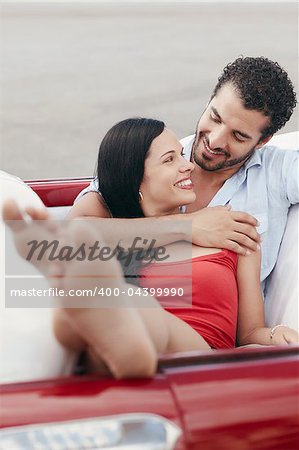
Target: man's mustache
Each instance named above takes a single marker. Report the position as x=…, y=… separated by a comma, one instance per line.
x=217, y=149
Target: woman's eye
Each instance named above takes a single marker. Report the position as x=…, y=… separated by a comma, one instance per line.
x=170, y=159
x=183, y=153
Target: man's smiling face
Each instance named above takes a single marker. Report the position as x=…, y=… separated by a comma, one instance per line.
x=227, y=133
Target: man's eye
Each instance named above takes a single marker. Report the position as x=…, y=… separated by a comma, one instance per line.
x=215, y=118
x=239, y=138
x=183, y=153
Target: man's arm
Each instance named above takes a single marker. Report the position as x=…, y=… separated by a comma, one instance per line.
x=210, y=227
x=290, y=174
x=220, y=227
x=251, y=321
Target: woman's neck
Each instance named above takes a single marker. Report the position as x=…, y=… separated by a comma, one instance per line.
x=156, y=212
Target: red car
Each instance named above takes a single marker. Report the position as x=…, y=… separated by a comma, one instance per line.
x=221, y=400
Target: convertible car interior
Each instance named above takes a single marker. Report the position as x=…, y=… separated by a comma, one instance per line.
x=27, y=338
x=222, y=400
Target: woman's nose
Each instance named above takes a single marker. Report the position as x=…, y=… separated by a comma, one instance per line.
x=187, y=166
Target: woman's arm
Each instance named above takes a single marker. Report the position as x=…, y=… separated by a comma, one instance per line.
x=251, y=320
x=209, y=227
x=90, y=205
x=162, y=230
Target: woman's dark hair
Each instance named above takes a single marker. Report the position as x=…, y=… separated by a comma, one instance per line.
x=120, y=168
x=120, y=171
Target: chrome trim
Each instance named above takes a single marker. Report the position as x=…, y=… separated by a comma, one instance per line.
x=135, y=431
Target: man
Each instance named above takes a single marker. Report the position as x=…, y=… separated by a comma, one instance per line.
x=252, y=100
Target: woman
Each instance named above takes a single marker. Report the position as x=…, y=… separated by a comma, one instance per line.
x=142, y=172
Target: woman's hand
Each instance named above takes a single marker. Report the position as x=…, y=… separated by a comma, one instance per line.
x=284, y=336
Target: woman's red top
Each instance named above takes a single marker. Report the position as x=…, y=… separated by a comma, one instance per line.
x=209, y=303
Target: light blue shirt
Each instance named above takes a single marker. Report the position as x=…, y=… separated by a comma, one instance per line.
x=264, y=187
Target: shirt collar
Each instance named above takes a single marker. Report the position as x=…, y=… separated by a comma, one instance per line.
x=255, y=160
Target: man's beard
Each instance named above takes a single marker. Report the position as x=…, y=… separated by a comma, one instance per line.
x=224, y=164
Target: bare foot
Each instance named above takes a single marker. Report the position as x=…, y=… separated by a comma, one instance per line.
x=29, y=233
x=61, y=250
x=11, y=212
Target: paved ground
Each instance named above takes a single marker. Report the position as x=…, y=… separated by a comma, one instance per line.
x=70, y=71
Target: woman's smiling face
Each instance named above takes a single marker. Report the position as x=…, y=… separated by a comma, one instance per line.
x=166, y=184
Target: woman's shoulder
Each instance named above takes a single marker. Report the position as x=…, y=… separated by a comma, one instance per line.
x=90, y=205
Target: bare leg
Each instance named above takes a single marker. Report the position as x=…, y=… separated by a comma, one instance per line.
x=127, y=339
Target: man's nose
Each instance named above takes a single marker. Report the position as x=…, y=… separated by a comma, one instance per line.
x=218, y=139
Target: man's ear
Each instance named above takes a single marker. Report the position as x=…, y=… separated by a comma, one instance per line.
x=263, y=141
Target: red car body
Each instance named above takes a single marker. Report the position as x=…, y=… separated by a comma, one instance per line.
x=222, y=400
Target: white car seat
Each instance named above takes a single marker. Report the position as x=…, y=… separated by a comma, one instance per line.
x=281, y=295
x=28, y=348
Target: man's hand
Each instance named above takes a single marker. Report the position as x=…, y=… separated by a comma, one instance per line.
x=222, y=228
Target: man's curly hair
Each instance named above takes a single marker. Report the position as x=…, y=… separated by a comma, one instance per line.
x=262, y=86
